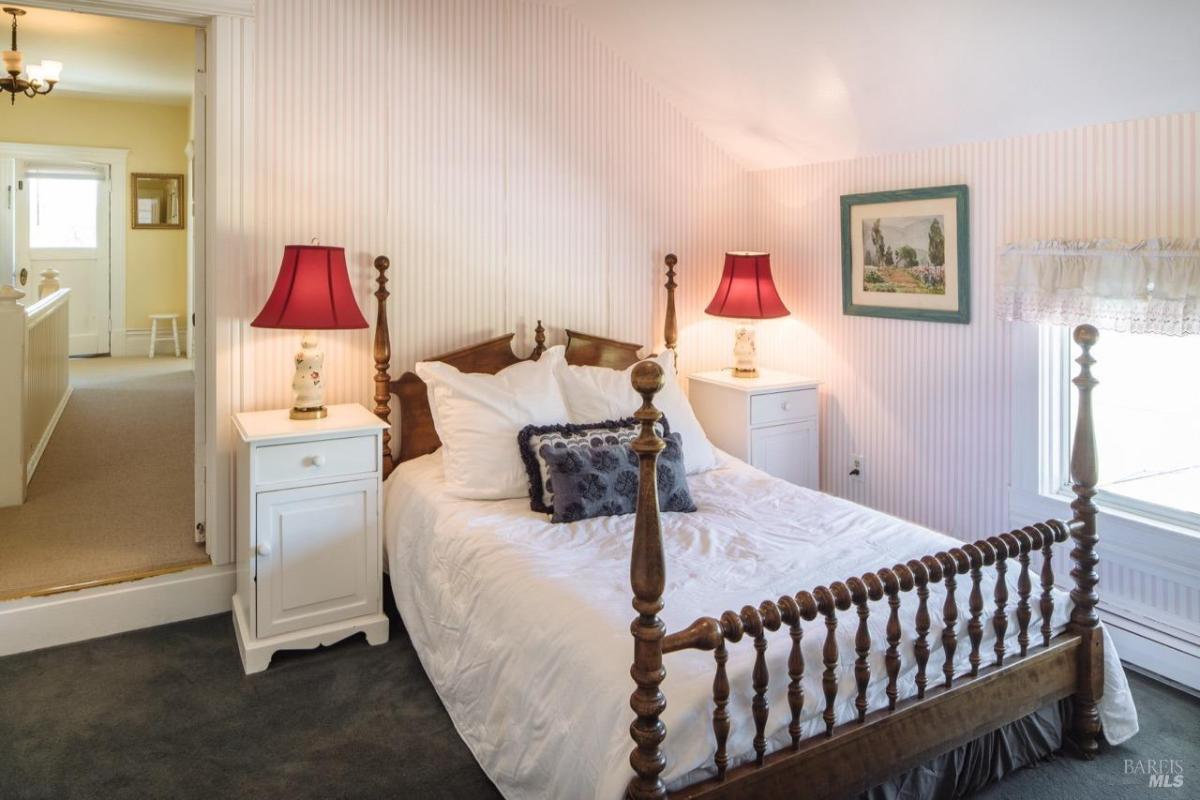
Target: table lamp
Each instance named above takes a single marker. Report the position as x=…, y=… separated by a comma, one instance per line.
x=747, y=293
x=311, y=293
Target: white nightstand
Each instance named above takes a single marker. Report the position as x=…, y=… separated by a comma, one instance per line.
x=308, y=519
x=770, y=421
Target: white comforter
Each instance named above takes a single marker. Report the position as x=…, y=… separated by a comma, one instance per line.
x=523, y=626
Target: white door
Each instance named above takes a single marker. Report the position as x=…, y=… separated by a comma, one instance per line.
x=317, y=555
x=62, y=223
x=788, y=451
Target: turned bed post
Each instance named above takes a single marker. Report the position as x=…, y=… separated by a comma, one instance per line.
x=648, y=577
x=670, y=325
x=383, y=361
x=1084, y=620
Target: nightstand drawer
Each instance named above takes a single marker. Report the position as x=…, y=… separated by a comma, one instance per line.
x=766, y=409
x=321, y=459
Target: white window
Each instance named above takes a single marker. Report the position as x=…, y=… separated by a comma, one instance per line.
x=62, y=213
x=1147, y=420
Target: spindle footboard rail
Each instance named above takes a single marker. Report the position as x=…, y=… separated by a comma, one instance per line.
x=949, y=710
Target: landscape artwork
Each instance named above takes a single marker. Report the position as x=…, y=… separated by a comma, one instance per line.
x=906, y=254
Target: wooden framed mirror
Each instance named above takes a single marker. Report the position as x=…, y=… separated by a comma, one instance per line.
x=157, y=200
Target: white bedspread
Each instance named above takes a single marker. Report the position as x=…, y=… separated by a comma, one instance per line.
x=523, y=626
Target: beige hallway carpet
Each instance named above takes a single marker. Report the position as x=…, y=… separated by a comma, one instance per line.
x=113, y=494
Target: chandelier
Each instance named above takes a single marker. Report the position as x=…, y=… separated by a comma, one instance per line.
x=38, y=79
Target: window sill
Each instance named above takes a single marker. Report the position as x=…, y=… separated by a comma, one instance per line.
x=1165, y=544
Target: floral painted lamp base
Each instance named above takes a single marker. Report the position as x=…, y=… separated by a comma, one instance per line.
x=307, y=383
x=745, y=352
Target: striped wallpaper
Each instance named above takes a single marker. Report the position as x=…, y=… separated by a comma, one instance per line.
x=926, y=404
x=513, y=169
x=508, y=164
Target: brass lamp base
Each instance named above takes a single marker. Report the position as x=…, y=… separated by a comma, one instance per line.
x=745, y=373
x=308, y=413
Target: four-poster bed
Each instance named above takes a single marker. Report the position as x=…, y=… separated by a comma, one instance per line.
x=950, y=704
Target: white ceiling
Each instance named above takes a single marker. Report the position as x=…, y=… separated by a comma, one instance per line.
x=783, y=82
x=110, y=57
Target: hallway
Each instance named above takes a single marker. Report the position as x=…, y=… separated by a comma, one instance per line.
x=112, y=497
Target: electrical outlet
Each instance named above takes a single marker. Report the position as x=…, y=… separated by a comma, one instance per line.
x=856, y=468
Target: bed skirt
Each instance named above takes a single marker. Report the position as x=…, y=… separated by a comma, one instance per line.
x=968, y=769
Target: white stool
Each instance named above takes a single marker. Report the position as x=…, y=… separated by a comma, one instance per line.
x=154, y=337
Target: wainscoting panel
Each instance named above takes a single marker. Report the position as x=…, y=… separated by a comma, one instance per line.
x=508, y=164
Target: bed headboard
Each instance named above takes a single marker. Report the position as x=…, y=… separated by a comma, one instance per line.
x=417, y=434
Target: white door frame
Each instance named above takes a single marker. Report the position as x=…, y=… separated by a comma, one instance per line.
x=115, y=158
x=58, y=619
x=197, y=153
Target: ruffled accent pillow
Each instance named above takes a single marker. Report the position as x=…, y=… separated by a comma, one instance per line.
x=603, y=481
x=533, y=438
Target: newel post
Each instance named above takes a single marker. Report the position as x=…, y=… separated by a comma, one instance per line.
x=647, y=575
x=1084, y=620
x=49, y=283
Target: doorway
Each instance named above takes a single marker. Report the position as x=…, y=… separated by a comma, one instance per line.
x=118, y=493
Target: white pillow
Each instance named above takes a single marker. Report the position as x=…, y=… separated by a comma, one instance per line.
x=478, y=417
x=594, y=394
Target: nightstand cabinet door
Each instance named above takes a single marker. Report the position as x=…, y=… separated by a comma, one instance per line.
x=316, y=555
x=787, y=451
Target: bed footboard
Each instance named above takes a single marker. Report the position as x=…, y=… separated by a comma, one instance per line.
x=949, y=710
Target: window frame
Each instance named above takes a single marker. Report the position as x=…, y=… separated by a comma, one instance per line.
x=1056, y=402
x=68, y=252
x=1058, y=356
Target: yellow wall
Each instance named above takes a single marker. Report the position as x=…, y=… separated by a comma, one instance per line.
x=155, y=135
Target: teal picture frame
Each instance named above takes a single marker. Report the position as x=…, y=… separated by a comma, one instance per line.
x=961, y=195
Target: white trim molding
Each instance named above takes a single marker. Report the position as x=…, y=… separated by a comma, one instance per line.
x=33, y=623
x=136, y=341
x=187, y=12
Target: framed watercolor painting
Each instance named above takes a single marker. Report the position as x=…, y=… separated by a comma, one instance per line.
x=907, y=254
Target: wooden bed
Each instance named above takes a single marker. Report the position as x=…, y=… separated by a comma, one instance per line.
x=854, y=754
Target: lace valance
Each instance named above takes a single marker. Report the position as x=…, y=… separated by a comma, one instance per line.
x=1152, y=286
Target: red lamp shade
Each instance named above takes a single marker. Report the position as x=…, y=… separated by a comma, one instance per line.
x=747, y=290
x=312, y=292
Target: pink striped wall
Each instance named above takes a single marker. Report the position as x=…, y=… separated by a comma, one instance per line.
x=510, y=166
x=928, y=405
x=513, y=168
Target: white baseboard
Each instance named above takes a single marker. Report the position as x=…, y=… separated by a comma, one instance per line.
x=33, y=623
x=1168, y=657
x=36, y=456
x=136, y=342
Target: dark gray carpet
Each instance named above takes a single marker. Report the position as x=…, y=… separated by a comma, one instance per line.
x=167, y=712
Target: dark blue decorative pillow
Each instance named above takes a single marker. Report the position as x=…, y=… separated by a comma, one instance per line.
x=533, y=438
x=600, y=481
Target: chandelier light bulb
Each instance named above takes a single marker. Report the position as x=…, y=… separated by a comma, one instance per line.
x=51, y=70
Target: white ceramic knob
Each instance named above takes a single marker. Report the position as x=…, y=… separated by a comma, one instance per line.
x=318, y=461
x=263, y=549
x=787, y=405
